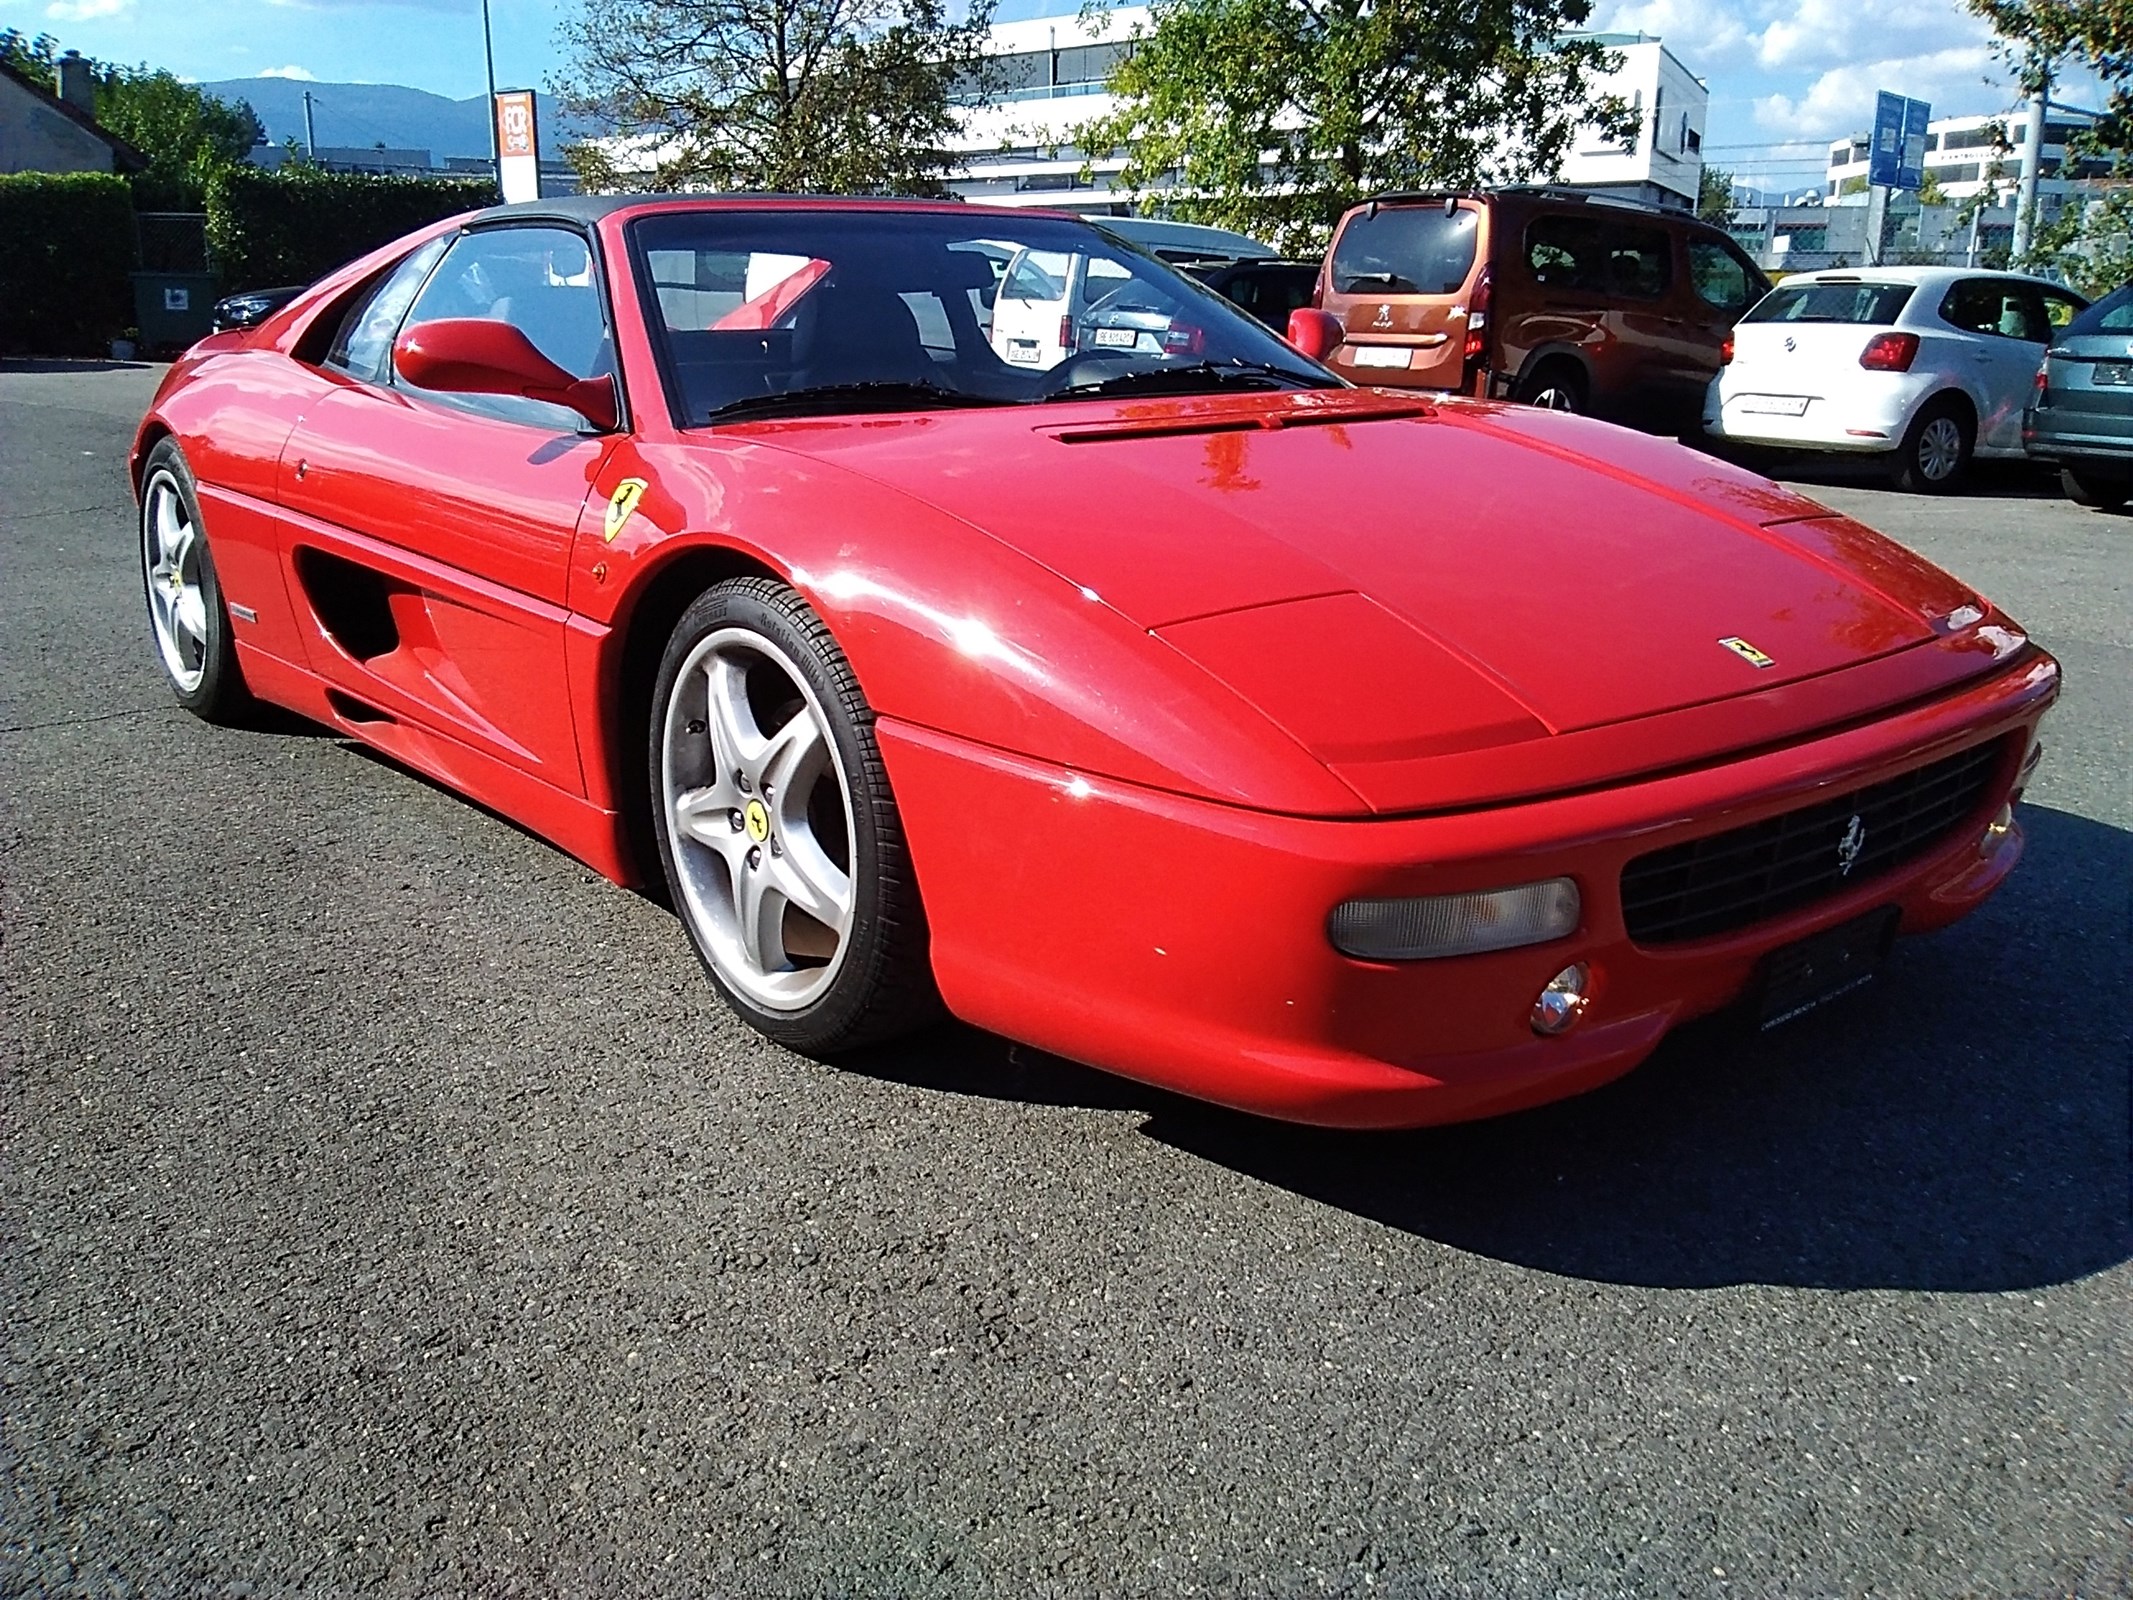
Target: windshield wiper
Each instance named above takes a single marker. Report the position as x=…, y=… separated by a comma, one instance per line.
x=829, y=399
x=1195, y=378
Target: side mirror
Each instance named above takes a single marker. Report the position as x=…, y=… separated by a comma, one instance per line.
x=474, y=355
x=1313, y=332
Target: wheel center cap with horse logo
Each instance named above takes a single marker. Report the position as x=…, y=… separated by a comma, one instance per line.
x=757, y=820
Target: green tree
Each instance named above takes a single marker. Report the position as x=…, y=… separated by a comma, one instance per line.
x=2090, y=244
x=824, y=96
x=186, y=135
x=1714, y=197
x=1272, y=116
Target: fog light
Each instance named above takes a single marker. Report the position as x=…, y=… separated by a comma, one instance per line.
x=1435, y=925
x=1996, y=830
x=1563, y=1001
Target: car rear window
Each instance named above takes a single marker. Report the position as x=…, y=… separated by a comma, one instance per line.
x=1832, y=302
x=1406, y=250
x=2112, y=314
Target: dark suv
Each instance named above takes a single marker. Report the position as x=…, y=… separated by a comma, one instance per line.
x=1548, y=295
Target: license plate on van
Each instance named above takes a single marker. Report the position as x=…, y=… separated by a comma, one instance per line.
x=1381, y=355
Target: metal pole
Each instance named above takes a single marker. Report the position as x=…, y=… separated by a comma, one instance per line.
x=310, y=134
x=488, y=54
x=2025, y=227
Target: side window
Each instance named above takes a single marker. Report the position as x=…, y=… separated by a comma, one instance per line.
x=540, y=280
x=1997, y=306
x=1719, y=277
x=1640, y=262
x=1566, y=253
x=2060, y=309
x=364, y=346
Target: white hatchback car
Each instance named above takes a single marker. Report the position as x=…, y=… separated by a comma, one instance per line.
x=1925, y=365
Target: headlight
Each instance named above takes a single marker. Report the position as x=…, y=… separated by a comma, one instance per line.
x=1455, y=924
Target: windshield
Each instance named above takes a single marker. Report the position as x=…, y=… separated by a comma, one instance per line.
x=1832, y=302
x=785, y=312
x=1406, y=250
x=2112, y=314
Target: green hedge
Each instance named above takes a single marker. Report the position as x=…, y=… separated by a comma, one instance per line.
x=66, y=249
x=298, y=224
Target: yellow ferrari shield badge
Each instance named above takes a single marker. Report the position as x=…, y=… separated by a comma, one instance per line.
x=619, y=506
x=1747, y=652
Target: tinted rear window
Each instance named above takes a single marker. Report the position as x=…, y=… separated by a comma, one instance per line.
x=2112, y=314
x=1406, y=250
x=1832, y=302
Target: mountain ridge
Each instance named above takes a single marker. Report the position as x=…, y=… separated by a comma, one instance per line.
x=391, y=114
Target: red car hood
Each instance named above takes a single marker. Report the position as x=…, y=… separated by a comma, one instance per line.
x=1454, y=575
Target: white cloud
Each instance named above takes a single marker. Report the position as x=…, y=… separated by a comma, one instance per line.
x=1841, y=100
x=300, y=74
x=1695, y=30
x=85, y=10
x=1807, y=35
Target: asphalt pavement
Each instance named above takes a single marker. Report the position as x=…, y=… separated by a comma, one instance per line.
x=388, y=1207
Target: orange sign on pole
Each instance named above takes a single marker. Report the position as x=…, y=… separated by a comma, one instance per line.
x=518, y=145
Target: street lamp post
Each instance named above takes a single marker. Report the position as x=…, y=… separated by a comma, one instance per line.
x=488, y=52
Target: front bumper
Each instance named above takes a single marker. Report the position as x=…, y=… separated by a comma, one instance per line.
x=1183, y=943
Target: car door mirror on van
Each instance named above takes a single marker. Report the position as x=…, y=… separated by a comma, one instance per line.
x=1313, y=332
x=478, y=355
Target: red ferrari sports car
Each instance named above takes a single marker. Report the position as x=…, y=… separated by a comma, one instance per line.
x=960, y=608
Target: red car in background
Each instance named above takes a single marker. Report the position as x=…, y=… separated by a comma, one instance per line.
x=1348, y=757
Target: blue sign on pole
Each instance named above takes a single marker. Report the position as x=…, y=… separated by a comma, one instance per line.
x=1897, y=158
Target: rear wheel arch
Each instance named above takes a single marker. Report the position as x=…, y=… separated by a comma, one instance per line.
x=1555, y=364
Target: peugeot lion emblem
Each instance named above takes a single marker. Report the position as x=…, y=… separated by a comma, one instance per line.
x=1850, y=845
x=1384, y=317
x=1791, y=343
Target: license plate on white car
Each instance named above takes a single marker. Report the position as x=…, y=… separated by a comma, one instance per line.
x=2111, y=374
x=1382, y=355
x=1775, y=405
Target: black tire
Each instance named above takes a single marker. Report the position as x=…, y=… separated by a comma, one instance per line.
x=878, y=983
x=202, y=669
x=2086, y=486
x=1555, y=385
x=1934, y=457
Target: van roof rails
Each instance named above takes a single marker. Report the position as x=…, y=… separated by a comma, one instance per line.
x=1548, y=191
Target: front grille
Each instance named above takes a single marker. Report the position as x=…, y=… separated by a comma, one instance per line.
x=1729, y=880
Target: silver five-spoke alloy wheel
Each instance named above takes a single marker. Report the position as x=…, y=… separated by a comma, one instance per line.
x=177, y=603
x=759, y=815
x=1940, y=449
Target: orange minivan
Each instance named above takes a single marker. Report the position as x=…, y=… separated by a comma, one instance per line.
x=1549, y=295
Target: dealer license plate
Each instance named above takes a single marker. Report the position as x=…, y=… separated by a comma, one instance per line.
x=1382, y=355
x=1776, y=405
x=1798, y=977
x=2111, y=374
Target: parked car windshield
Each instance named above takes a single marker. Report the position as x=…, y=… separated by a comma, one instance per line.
x=1832, y=302
x=1406, y=250
x=2112, y=314
x=787, y=312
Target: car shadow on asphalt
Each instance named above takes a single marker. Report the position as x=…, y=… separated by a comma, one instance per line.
x=1963, y=1125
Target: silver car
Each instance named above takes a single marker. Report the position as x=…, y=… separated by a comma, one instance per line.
x=2080, y=413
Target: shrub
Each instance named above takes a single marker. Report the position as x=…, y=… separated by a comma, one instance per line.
x=297, y=224
x=66, y=249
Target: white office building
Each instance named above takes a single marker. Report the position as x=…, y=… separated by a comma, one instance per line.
x=1962, y=160
x=1019, y=150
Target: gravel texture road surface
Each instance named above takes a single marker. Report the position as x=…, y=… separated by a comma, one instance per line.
x=387, y=1206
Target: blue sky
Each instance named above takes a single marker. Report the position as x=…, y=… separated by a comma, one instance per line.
x=1779, y=70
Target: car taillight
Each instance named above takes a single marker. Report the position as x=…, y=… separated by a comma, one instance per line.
x=1477, y=317
x=1889, y=352
x=2043, y=379
x=1066, y=333
x=1725, y=351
